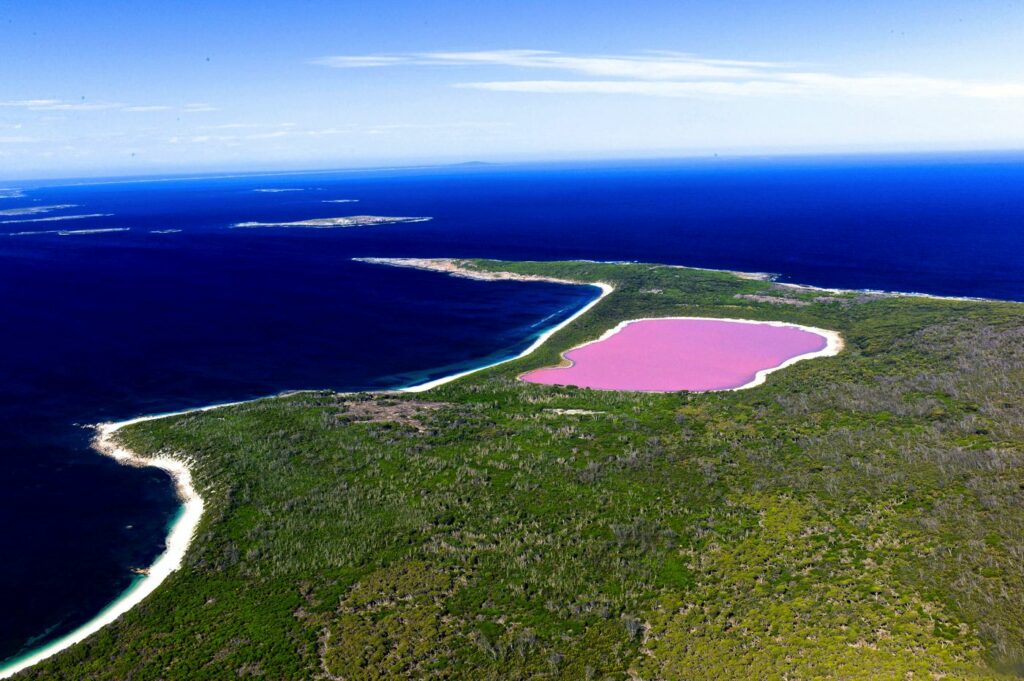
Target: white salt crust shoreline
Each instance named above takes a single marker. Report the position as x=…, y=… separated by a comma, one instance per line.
x=833, y=346
x=450, y=266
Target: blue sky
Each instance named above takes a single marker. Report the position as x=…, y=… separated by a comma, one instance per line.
x=105, y=87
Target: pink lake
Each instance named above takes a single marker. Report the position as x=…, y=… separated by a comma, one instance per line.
x=665, y=355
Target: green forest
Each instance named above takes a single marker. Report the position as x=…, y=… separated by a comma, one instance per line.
x=856, y=517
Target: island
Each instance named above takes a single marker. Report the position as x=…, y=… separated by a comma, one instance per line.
x=35, y=210
x=856, y=515
x=329, y=223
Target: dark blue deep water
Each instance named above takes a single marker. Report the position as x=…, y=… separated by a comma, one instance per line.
x=111, y=325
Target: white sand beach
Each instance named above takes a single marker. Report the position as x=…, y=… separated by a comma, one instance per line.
x=454, y=268
x=178, y=540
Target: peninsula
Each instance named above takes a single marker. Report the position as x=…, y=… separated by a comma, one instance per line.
x=856, y=515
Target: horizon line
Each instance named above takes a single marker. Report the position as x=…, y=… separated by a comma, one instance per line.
x=154, y=175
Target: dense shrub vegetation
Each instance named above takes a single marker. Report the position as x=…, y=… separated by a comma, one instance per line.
x=860, y=516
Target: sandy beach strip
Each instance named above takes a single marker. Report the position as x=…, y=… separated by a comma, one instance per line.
x=454, y=268
x=422, y=387
x=178, y=539
x=333, y=223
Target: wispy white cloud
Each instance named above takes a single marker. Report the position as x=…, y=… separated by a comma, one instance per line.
x=58, y=105
x=285, y=132
x=656, y=66
x=199, y=107
x=648, y=67
x=795, y=84
x=454, y=125
x=82, y=105
x=242, y=133
x=245, y=126
x=637, y=87
x=16, y=139
x=905, y=85
x=358, y=62
x=670, y=74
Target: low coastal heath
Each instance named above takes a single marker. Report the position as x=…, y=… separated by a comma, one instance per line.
x=178, y=541
x=184, y=528
x=181, y=534
x=696, y=354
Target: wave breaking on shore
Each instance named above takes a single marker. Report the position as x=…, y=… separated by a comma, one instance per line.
x=178, y=540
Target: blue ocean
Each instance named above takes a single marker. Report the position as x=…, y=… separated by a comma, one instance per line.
x=142, y=298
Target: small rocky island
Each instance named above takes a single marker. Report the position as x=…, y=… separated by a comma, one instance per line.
x=331, y=223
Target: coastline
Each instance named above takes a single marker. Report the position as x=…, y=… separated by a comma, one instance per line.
x=455, y=268
x=452, y=267
x=541, y=339
x=773, y=278
x=184, y=526
x=179, y=537
x=834, y=344
x=894, y=294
